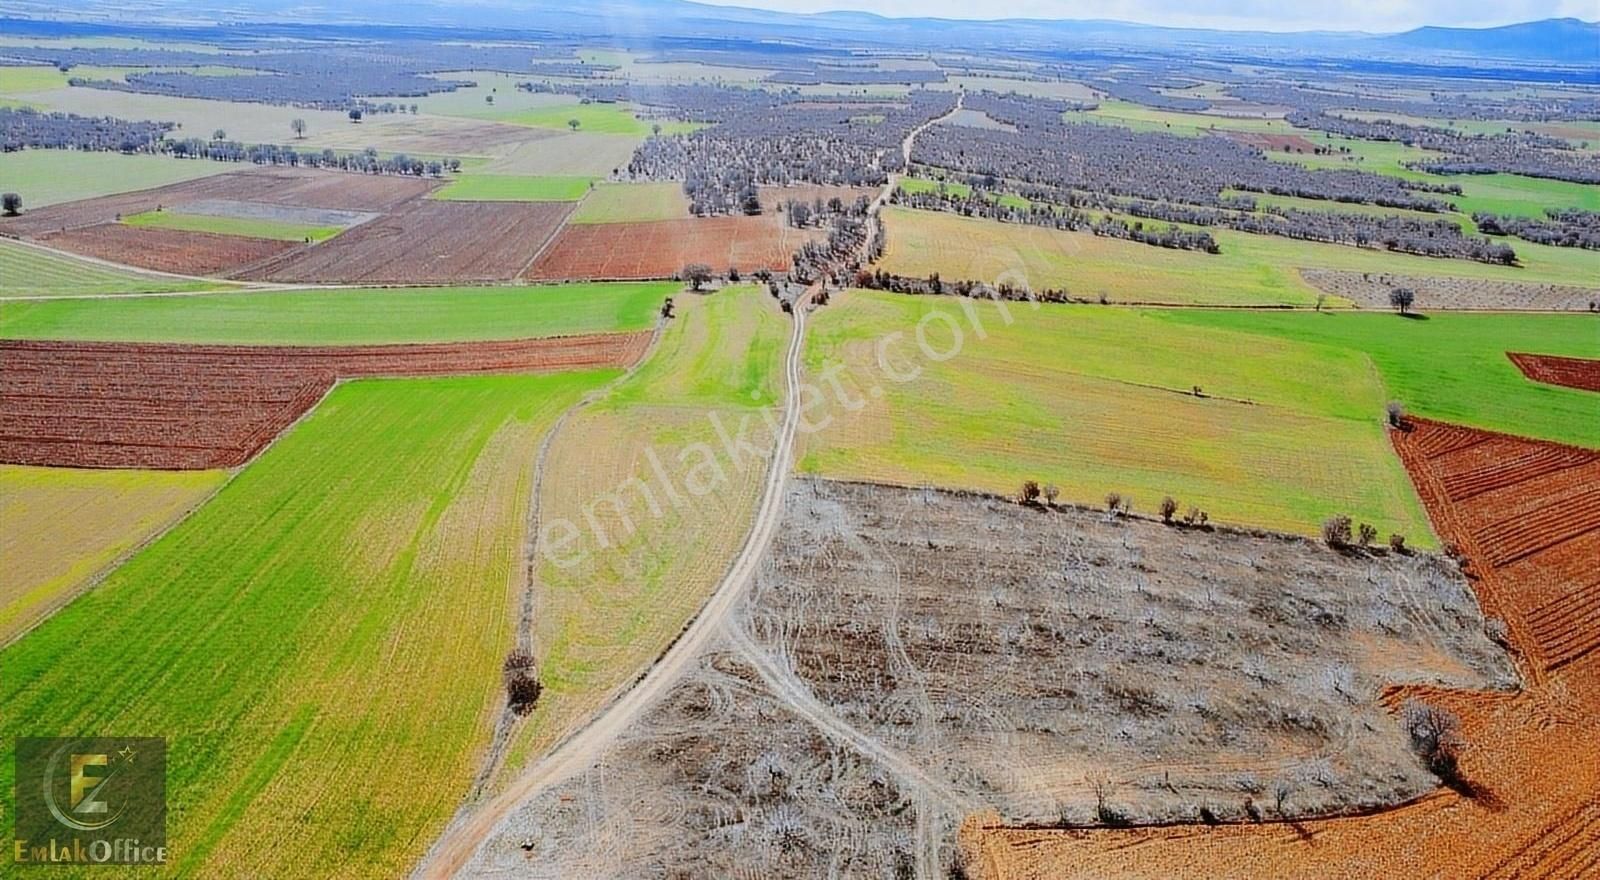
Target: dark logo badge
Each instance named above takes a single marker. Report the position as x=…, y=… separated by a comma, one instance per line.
x=91, y=800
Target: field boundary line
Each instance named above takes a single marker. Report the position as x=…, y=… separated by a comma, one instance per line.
x=550, y=239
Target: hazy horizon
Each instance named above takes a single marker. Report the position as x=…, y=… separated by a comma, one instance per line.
x=1253, y=15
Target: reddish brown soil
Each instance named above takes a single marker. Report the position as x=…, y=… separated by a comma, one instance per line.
x=1581, y=373
x=95, y=404
x=168, y=250
x=427, y=241
x=302, y=187
x=1526, y=515
x=661, y=248
x=1275, y=143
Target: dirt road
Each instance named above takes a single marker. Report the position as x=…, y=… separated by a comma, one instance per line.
x=584, y=746
x=875, y=228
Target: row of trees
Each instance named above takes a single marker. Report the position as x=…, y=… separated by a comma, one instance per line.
x=1525, y=153
x=1563, y=227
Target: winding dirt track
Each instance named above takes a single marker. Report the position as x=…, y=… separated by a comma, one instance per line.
x=584, y=746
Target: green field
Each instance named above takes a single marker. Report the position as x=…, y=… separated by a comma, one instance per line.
x=30, y=272
x=49, y=177
x=632, y=203
x=1251, y=270
x=1098, y=400
x=609, y=607
x=336, y=615
x=514, y=188
x=1449, y=366
x=915, y=185
x=594, y=118
x=240, y=226
x=346, y=317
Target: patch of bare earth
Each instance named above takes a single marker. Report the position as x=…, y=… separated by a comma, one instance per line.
x=427, y=241
x=1372, y=289
x=168, y=250
x=1568, y=372
x=910, y=657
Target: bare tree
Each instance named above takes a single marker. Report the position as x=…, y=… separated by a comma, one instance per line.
x=1367, y=533
x=1029, y=493
x=697, y=274
x=1402, y=298
x=299, y=126
x=1169, y=506
x=1336, y=531
x=1051, y=493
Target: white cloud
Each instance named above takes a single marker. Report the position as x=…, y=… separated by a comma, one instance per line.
x=1268, y=15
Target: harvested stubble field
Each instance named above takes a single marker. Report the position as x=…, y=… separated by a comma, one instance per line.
x=64, y=526
x=357, y=582
x=427, y=241
x=1532, y=756
x=291, y=187
x=609, y=601
x=169, y=250
x=1285, y=435
x=910, y=656
x=1581, y=373
x=87, y=404
x=661, y=248
x=346, y=316
x=35, y=272
x=1371, y=291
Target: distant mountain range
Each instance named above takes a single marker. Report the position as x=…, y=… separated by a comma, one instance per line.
x=1564, y=41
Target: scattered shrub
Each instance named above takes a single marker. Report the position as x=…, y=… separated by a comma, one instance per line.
x=522, y=682
x=1029, y=493
x=1168, y=508
x=1336, y=531
x=1397, y=543
x=1367, y=534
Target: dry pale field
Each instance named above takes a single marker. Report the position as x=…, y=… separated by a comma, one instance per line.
x=64, y=526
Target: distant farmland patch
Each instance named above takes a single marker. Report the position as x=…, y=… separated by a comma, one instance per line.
x=661, y=248
x=632, y=203
x=49, y=177
x=64, y=525
x=357, y=582
x=234, y=226
x=163, y=249
x=428, y=241
x=514, y=188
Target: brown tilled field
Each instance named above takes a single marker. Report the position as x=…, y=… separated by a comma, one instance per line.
x=1581, y=373
x=168, y=250
x=910, y=657
x=1526, y=516
x=1371, y=290
x=661, y=248
x=87, y=404
x=299, y=187
x=427, y=242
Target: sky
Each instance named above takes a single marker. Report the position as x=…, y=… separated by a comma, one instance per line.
x=1377, y=16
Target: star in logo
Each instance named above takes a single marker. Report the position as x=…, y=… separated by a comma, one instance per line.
x=126, y=753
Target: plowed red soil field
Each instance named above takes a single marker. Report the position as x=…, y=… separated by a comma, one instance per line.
x=168, y=250
x=1526, y=515
x=661, y=248
x=300, y=187
x=427, y=241
x=206, y=406
x=1582, y=373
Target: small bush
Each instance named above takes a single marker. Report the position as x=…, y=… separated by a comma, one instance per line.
x=1436, y=736
x=1367, y=534
x=1169, y=506
x=11, y=203
x=1397, y=543
x=1051, y=493
x=522, y=682
x=1396, y=414
x=1113, y=501
x=1029, y=494
x=1336, y=531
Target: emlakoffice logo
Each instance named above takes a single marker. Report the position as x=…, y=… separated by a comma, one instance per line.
x=91, y=800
